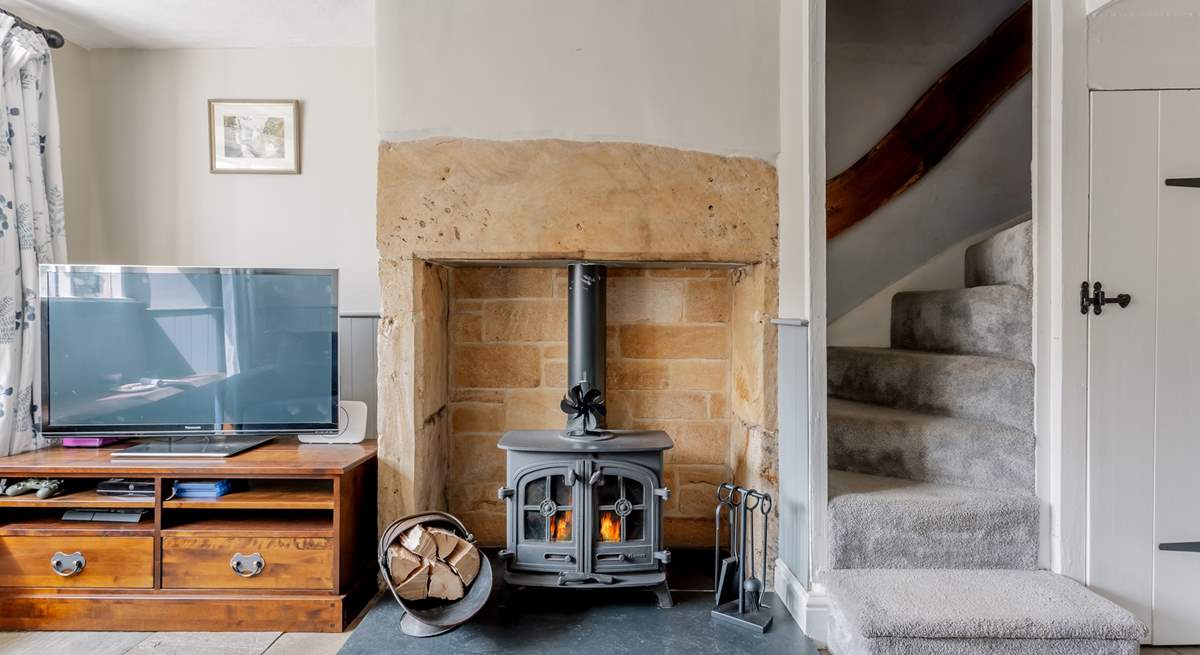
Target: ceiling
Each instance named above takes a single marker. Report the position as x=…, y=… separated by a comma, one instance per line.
x=204, y=23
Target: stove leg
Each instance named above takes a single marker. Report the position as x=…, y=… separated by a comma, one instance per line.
x=663, y=593
x=505, y=598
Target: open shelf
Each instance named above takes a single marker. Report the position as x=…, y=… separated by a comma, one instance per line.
x=52, y=524
x=266, y=494
x=82, y=499
x=250, y=524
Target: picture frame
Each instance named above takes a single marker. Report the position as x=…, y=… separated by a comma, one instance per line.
x=254, y=136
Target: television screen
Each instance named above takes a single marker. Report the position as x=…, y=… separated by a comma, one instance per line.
x=149, y=350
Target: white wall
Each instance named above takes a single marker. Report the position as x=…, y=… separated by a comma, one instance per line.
x=157, y=203
x=870, y=324
x=883, y=54
x=693, y=74
x=73, y=88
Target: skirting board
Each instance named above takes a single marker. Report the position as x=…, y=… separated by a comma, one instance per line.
x=810, y=608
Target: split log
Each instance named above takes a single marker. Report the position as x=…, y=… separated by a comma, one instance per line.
x=465, y=561
x=419, y=541
x=446, y=541
x=416, y=587
x=401, y=563
x=444, y=582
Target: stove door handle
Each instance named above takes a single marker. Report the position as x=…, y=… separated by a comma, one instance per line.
x=569, y=477
x=596, y=479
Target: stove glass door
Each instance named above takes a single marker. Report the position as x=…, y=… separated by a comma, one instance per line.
x=546, y=531
x=626, y=518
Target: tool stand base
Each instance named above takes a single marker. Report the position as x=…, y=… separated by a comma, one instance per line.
x=758, y=620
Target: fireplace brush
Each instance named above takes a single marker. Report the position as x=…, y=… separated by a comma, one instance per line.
x=734, y=575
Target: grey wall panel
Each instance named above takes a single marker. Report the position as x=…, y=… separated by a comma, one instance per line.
x=357, y=355
x=794, y=515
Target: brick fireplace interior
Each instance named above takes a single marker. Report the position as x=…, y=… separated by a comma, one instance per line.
x=668, y=349
x=474, y=238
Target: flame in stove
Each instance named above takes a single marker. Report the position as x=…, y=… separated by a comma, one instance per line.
x=560, y=527
x=610, y=527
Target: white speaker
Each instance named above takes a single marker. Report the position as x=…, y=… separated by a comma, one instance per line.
x=352, y=425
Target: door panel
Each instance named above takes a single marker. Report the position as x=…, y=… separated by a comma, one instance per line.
x=1177, y=483
x=1121, y=355
x=626, y=517
x=1143, y=361
x=549, y=539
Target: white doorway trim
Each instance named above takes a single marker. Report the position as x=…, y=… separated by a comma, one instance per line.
x=1060, y=219
x=801, y=168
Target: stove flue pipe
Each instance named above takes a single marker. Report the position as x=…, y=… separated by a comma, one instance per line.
x=586, y=341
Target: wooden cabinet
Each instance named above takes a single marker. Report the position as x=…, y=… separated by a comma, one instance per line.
x=292, y=549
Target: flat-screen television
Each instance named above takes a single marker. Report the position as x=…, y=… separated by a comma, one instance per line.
x=165, y=351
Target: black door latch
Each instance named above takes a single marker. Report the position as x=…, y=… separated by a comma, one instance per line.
x=1181, y=546
x=1097, y=299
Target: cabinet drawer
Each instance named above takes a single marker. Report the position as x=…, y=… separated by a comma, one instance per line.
x=102, y=562
x=261, y=563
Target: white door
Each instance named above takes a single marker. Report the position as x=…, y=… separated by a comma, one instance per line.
x=1144, y=359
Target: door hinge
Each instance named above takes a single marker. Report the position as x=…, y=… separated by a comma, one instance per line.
x=1097, y=299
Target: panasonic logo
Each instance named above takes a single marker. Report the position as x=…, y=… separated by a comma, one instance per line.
x=193, y=427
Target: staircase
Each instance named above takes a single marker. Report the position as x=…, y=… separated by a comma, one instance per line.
x=933, y=521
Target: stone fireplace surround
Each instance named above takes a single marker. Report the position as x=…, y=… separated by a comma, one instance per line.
x=474, y=237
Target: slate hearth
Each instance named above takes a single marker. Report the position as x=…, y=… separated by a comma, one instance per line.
x=568, y=621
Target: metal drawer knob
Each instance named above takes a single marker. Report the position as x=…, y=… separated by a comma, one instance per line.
x=247, y=566
x=68, y=565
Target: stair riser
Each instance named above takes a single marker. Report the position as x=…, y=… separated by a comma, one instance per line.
x=996, y=322
x=866, y=534
x=988, y=389
x=974, y=456
x=1004, y=258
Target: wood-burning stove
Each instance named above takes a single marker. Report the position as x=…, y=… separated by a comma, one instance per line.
x=585, y=503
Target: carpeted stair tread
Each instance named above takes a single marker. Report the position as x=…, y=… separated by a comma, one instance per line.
x=987, y=320
x=1003, y=258
x=898, y=443
x=946, y=611
x=878, y=522
x=966, y=386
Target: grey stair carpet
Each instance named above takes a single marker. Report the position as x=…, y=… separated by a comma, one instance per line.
x=1004, y=258
x=932, y=517
x=939, y=611
x=900, y=443
x=990, y=320
x=888, y=523
x=966, y=386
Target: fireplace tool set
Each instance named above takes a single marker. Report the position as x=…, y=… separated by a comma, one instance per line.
x=739, y=590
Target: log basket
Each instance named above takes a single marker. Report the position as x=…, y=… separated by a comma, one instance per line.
x=421, y=620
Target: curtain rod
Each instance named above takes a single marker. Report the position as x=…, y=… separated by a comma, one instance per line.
x=54, y=38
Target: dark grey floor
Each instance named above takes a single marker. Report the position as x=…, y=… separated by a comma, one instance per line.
x=577, y=621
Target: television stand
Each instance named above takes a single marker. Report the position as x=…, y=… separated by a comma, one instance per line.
x=291, y=550
x=193, y=447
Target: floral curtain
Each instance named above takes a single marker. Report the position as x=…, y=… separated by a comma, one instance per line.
x=31, y=223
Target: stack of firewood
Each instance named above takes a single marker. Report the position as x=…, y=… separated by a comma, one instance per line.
x=432, y=563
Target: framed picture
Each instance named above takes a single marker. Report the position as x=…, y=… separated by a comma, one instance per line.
x=254, y=136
